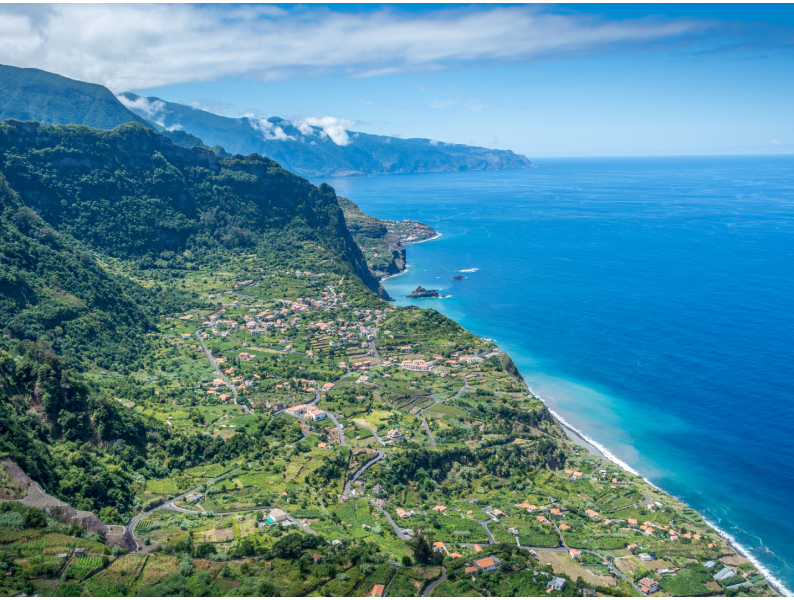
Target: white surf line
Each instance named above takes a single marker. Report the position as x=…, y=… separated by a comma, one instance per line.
x=405, y=270
x=435, y=237
x=778, y=585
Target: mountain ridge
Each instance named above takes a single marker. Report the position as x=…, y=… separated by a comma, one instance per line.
x=312, y=152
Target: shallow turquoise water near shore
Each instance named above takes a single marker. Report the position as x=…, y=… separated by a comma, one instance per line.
x=648, y=301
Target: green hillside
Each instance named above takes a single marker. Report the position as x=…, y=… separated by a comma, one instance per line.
x=161, y=307
x=134, y=195
x=36, y=95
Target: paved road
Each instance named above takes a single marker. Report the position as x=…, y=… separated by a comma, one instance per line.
x=364, y=467
x=397, y=529
x=216, y=367
x=339, y=429
x=487, y=532
x=432, y=585
x=426, y=427
x=372, y=431
x=135, y=520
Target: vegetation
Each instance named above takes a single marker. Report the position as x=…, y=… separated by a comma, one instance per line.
x=164, y=306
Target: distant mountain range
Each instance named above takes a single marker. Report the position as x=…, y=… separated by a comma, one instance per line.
x=313, y=148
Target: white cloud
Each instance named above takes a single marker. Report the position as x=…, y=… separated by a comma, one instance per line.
x=152, y=110
x=333, y=127
x=270, y=131
x=137, y=46
x=305, y=128
x=777, y=142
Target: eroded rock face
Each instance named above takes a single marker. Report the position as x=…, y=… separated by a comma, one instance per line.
x=38, y=498
x=421, y=292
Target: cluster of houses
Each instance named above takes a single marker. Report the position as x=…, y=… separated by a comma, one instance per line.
x=306, y=411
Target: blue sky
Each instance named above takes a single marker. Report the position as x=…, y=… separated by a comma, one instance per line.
x=549, y=80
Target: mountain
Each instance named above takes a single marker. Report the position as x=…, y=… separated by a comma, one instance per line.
x=50, y=99
x=312, y=152
x=132, y=194
x=36, y=95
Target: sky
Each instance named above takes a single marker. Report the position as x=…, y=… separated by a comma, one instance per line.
x=541, y=80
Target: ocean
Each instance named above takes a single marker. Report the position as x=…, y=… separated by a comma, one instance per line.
x=648, y=301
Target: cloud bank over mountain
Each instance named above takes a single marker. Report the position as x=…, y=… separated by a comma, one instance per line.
x=141, y=46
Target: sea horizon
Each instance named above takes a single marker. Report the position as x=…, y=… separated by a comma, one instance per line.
x=601, y=214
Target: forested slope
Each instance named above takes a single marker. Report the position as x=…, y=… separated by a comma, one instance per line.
x=133, y=194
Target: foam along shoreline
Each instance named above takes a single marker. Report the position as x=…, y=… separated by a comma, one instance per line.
x=599, y=450
x=405, y=270
x=435, y=237
x=430, y=239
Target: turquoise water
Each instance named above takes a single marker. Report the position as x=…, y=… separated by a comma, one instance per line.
x=648, y=302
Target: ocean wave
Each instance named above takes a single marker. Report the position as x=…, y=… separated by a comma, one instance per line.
x=736, y=546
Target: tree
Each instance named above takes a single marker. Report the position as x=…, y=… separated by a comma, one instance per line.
x=421, y=548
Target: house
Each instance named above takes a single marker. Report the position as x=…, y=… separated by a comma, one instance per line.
x=486, y=564
x=316, y=414
x=557, y=512
x=317, y=557
x=276, y=516
x=649, y=586
x=557, y=583
x=327, y=387
x=377, y=591
x=591, y=513
x=709, y=564
x=439, y=547
x=564, y=527
x=455, y=555
x=377, y=489
x=470, y=570
x=79, y=552
x=512, y=530
x=394, y=435
x=401, y=513
x=632, y=546
x=440, y=508
x=575, y=554
x=477, y=548
x=542, y=519
x=522, y=505
x=322, y=445
x=647, y=556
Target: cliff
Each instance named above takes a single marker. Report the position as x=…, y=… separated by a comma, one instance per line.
x=383, y=242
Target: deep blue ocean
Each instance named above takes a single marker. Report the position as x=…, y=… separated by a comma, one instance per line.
x=648, y=301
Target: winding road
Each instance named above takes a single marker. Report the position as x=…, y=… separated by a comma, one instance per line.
x=432, y=585
x=135, y=520
x=364, y=467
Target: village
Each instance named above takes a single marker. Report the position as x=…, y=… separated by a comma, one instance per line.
x=391, y=429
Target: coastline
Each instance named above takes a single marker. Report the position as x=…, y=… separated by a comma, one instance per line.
x=597, y=449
